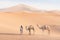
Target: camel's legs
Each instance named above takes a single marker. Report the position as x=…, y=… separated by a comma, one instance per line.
x=43, y=30
x=48, y=31
x=33, y=32
x=29, y=32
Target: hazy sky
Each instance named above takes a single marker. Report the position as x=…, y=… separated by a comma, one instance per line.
x=40, y=4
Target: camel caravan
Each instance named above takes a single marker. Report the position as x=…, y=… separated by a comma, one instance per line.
x=31, y=27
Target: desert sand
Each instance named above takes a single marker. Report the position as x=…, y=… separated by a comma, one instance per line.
x=10, y=23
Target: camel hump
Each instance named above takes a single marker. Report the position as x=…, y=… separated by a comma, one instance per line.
x=48, y=27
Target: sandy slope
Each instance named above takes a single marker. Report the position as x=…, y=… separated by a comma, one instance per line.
x=10, y=23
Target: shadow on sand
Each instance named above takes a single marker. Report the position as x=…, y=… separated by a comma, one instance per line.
x=9, y=34
x=15, y=34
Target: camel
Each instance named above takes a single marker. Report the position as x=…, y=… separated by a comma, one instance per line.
x=29, y=28
x=44, y=27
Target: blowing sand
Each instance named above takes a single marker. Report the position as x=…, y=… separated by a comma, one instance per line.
x=10, y=23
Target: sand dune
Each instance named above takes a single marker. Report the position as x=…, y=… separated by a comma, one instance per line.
x=10, y=23
x=19, y=8
x=11, y=20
